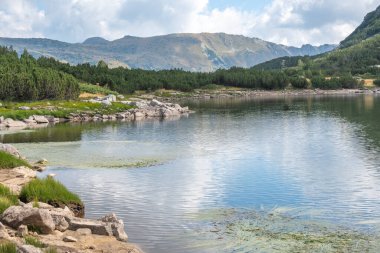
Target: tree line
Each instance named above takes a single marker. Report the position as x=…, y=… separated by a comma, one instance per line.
x=27, y=78
x=22, y=79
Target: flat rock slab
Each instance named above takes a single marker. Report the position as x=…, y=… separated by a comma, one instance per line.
x=16, y=178
x=96, y=227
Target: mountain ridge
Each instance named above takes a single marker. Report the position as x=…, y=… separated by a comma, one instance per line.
x=189, y=51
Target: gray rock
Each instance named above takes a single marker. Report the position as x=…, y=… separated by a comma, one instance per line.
x=40, y=119
x=24, y=108
x=15, y=216
x=139, y=115
x=14, y=123
x=117, y=226
x=30, y=121
x=60, y=223
x=111, y=98
x=1, y=119
x=155, y=102
x=94, y=101
x=84, y=231
x=22, y=231
x=43, y=161
x=10, y=150
x=96, y=227
x=106, y=103
x=3, y=232
x=69, y=239
x=120, y=97
x=28, y=249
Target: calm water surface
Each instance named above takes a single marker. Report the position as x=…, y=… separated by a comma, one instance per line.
x=320, y=154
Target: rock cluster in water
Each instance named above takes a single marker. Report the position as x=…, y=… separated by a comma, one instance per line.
x=143, y=109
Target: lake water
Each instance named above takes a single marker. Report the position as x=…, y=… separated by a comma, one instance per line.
x=319, y=157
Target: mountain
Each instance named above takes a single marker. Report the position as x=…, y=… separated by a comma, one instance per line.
x=359, y=53
x=368, y=28
x=194, y=52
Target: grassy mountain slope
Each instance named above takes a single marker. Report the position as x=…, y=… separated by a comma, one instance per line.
x=368, y=28
x=194, y=52
x=359, y=53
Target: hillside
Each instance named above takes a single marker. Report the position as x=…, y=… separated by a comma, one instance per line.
x=194, y=52
x=368, y=28
x=359, y=53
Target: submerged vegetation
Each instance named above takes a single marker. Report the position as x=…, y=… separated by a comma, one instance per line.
x=48, y=190
x=278, y=231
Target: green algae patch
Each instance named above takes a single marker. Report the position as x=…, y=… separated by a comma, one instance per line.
x=137, y=164
x=231, y=230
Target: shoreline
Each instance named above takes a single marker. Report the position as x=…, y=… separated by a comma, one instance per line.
x=148, y=106
x=176, y=96
x=61, y=228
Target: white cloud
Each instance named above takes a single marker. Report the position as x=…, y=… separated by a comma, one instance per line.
x=291, y=22
x=297, y=22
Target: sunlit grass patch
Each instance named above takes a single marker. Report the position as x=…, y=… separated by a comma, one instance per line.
x=8, y=161
x=48, y=190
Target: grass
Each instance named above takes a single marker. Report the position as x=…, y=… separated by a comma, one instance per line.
x=8, y=161
x=51, y=250
x=94, y=89
x=7, y=198
x=59, y=109
x=47, y=190
x=34, y=242
x=8, y=247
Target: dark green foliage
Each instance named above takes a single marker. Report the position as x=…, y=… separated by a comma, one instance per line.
x=8, y=161
x=346, y=82
x=368, y=28
x=8, y=247
x=47, y=190
x=23, y=79
x=377, y=82
x=299, y=82
x=7, y=198
x=129, y=80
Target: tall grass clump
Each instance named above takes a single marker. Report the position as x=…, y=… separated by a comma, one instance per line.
x=34, y=242
x=7, y=198
x=48, y=190
x=8, y=247
x=8, y=161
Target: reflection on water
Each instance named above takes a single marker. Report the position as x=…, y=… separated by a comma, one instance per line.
x=312, y=153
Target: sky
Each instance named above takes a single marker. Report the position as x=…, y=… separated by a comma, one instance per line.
x=289, y=22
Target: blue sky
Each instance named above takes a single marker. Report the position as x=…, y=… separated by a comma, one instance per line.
x=290, y=22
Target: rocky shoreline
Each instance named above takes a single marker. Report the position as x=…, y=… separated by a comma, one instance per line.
x=226, y=93
x=141, y=109
x=55, y=227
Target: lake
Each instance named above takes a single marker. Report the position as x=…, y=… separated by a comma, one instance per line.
x=181, y=184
